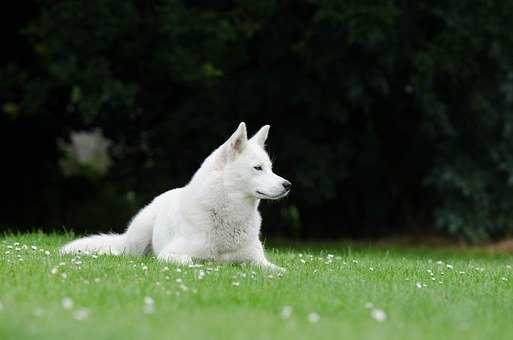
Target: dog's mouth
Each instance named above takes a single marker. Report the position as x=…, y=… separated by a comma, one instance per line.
x=272, y=197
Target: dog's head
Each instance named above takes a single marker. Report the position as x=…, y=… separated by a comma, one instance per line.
x=247, y=167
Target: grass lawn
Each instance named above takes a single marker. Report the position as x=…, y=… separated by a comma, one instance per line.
x=339, y=293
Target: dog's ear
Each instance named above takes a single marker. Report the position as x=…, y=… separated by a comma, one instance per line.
x=237, y=142
x=261, y=136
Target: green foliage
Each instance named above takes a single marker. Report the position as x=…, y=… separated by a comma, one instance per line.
x=387, y=115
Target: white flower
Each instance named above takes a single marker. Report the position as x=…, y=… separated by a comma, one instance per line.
x=34, y=248
x=149, y=305
x=86, y=149
x=67, y=303
x=38, y=312
x=235, y=283
x=81, y=314
x=378, y=314
x=54, y=270
x=450, y=266
x=418, y=285
x=286, y=312
x=313, y=317
x=47, y=253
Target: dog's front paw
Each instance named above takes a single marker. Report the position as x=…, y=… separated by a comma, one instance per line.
x=182, y=260
x=274, y=268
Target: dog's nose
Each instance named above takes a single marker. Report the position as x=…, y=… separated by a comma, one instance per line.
x=287, y=185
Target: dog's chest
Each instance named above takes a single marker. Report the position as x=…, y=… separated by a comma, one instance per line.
x=232, y=231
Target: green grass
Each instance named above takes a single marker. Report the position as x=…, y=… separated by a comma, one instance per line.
x=471, y=300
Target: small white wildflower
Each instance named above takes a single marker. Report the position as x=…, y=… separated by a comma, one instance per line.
x=504, y=278
x=47, y=253
x=38, y=312
x=418, y=285
x=235, y=283
x=165, y=269
x=450, y=266
x=371, y=269
x=81, y=314
x=149, y=305
x=67, y=303
x=286, y=312
x=54, y=270
x=440, y=262
x=303, y=261
x=64, y=275
x=178, y=270
x=313, y=317
x=378, y=314
x=62, y=264
x=34, y=248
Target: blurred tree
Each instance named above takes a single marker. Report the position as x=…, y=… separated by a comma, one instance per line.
x=389, y=116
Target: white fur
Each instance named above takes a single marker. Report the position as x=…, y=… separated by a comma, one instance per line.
x=214, y=217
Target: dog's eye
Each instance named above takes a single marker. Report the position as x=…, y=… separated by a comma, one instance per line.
x=258, y=168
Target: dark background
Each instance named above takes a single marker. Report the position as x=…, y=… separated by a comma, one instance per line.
x=389, y=117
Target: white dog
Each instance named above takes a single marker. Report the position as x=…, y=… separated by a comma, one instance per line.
x=214, y=217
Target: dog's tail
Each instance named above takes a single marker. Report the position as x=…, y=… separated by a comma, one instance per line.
x=111, y=244
x=135, y=241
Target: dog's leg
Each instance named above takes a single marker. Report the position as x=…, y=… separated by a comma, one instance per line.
x=178, y=252
x=253, y=254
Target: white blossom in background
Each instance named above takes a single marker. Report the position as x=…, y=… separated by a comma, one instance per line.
x=85, y=153
x=378, y=314
x=67, y=303
x=314, y=317
x=81, y=314
x=149, y=305
x=286, y=312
